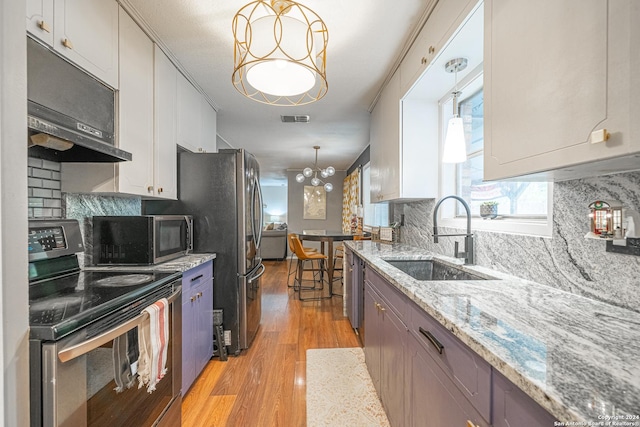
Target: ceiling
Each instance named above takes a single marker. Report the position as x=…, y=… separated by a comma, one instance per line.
x=366, y=41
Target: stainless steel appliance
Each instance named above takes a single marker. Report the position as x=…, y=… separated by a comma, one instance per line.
x=74, y=316
x=143, y=240
x=222, y=193
x=70, y=113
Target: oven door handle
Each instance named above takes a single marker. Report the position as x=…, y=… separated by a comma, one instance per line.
x=91, y=344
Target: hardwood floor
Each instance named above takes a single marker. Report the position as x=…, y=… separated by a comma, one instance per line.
x=266, y=385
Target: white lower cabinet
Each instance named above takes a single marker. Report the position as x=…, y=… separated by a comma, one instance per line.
x=554, y=73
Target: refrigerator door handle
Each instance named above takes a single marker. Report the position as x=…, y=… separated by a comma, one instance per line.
x=257, y=186
x=257, y=276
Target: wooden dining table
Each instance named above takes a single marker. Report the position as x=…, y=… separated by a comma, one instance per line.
x=328, y=237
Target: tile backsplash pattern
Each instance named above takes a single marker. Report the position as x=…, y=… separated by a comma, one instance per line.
x=45, y=198
x=566, y=261
x=84, y=207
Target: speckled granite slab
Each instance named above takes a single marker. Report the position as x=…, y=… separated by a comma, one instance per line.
x=340, y=391
x=183, y=264
x=578, y=358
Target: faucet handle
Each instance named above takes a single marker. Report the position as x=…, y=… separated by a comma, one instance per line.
x=457, y=253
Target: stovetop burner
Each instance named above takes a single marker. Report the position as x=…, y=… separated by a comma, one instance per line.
x=125, y=280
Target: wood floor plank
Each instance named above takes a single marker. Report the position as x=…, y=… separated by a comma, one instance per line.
x=266, y=384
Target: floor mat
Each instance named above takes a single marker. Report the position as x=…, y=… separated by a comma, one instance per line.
x=340, y=391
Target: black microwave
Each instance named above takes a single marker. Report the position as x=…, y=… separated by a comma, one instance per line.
x=142, y=240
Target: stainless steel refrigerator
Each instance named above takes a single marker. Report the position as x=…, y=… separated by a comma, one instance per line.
x=222, y=192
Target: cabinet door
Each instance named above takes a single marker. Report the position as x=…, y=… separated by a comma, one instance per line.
x=188, y=351
x=433, y=399
x=165, y=126
x=189, y=120
x=555, y=72
x=512, y=407
x=372, y=335
x=394, y=341
x=385, y=144
x=40, y=19
x=209, y=127
x=135, y=108
x=204, y=325
x=442, y=24
x=86, y=32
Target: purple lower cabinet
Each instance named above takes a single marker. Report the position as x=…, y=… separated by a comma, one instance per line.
x=513, y=408
x=393, y=366
x=435, y=401
x=372, y=336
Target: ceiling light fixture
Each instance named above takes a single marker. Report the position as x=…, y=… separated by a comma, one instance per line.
x=280, y=52
x=324, y=173
x=455, y=147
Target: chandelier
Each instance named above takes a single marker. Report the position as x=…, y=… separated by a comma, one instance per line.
x=324, y=173
x=280, y=52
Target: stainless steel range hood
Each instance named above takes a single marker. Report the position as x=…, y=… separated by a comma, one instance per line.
x=70, y=114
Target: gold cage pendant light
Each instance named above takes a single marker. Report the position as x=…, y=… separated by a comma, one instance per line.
x=280, y=53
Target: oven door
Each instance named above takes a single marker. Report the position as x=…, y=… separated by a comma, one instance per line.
x=78, y=386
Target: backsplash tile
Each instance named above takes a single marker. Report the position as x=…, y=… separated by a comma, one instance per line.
x=566, y=261
x=43, y=183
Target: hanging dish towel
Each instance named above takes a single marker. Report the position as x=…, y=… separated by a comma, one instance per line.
x=125, y=359
x=153, y=337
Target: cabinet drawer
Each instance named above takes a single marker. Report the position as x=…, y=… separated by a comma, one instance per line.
x=470, y=373
x=197, y=275
x=392, y=296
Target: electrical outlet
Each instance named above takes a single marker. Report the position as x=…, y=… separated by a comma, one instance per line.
x=227, y=337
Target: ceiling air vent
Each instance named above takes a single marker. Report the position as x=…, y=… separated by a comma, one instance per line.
x=294, y=119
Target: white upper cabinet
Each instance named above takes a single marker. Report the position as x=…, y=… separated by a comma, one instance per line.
x=386, y=144
x=84, y=31
x=557, y=73
x=209, y=127
x=40, y=19
x=165, y=126
x=189, y=117
x=135, y=108
x=441, y=25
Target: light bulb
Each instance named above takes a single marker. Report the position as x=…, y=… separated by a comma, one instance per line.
x=315, y=181
x=323, y=173
x=307, y=172
x=331, y=171
x=328, y=187
x=300, y=178
x=455, y=148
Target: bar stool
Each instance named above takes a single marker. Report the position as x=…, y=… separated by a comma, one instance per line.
x=292, y=272
x=303, y=259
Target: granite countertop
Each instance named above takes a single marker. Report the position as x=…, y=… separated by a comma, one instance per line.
x=182, y=264
x=578, y=358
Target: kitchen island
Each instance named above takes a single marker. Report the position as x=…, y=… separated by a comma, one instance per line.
x=576, y=357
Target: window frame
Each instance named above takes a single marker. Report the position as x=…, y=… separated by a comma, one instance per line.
x=511, y=224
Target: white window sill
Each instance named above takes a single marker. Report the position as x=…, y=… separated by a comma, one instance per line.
x=532, y=227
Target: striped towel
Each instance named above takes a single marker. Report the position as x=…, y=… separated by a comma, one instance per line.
x=125, y=359
x=153, y=338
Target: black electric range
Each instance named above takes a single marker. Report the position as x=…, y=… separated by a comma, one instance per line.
x=63, y=298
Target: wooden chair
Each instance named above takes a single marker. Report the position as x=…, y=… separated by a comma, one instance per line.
x=294, y=272
x=304, y=259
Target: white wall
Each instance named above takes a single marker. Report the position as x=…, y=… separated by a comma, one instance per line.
x=14, y=294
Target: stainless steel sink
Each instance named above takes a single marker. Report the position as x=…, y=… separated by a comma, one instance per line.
x=428, y=269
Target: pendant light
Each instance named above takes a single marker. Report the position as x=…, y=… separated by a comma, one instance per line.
x=324, y=173
x=279, y=54
x=455, y=146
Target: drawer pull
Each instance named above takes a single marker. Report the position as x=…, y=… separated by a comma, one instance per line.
x=433, y=339
x=471, y=424
x=197, y=277
x=67, y=43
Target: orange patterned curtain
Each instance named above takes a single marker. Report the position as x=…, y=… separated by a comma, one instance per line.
x=350, y=198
